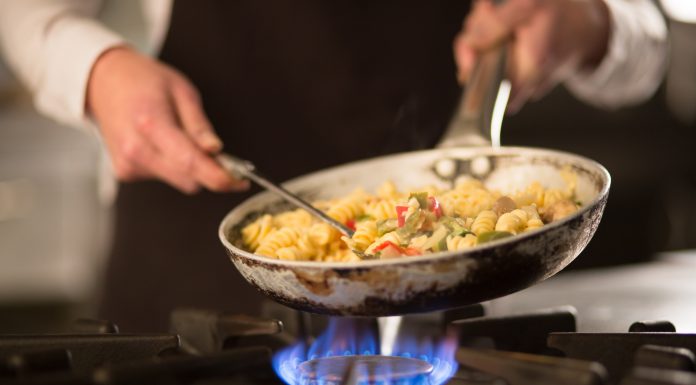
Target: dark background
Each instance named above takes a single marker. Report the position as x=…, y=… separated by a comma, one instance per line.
x=650, y=156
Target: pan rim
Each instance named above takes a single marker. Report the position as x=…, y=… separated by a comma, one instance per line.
x=470, y=253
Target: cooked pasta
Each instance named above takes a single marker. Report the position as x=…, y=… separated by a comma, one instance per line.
x=322, y=234
x=533, y=219
x=381, y=209
x=458, y=242
x=295, y=218
x=284, y=237
x=485, y=221
x=346, y=210
x=388, y=191
x=365, y=234
x=393, y=224
x=513, y=222
x=257, y=231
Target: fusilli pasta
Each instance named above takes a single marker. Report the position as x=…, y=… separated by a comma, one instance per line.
x=390, y=223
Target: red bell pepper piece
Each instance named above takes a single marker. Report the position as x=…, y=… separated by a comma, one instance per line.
x=400, y=215
x=411, y=251
x=435, y=207
x=351, y=224
x=386, y=244
x=402, y=251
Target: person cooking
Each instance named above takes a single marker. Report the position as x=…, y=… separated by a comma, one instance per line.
x=294, y=87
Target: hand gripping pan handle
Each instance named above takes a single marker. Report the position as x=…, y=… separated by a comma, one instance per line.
x=479, y=116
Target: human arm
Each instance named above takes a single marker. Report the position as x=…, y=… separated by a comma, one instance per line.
x=51, y=46
x=148, y=114
x=153, y=123
x=636, y=58
x=608, y=53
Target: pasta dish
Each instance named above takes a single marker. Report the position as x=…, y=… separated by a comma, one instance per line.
x=396, y=224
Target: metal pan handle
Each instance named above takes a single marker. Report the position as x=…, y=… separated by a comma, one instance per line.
x=478, y=118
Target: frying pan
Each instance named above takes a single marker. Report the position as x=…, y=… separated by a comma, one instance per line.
x=441, y=280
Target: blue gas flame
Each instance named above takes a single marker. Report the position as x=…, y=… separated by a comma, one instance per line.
x=346, y=337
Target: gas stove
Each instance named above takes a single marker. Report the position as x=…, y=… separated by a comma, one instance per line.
x=503, y=342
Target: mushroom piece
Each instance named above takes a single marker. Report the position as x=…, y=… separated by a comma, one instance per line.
x=503, y=205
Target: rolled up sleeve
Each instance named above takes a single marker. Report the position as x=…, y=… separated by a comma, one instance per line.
x=635, y=62
x=52, y=45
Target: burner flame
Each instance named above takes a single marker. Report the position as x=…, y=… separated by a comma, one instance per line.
x=351, y=337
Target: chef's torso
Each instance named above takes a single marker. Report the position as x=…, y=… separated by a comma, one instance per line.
x=294, y=86
x=301, y=85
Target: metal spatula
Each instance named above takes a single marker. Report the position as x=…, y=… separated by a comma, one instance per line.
x=240, y=169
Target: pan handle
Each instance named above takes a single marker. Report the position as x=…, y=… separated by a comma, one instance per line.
x=479, y=116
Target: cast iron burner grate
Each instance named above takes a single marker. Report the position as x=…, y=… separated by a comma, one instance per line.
x=213, y=348
x=531, y=349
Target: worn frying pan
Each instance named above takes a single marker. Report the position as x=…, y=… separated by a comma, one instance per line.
x=442, y=280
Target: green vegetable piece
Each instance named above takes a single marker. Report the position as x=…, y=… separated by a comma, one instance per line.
x=429, y=216
x=461, y=231
x=413, y=223
x=455, y=225
x=445, y=220
x=422, y=198
x=364, y=217
x=493, y=235
x=437, y=235
x=458, y=229
x=385, y=226
x=442, y=245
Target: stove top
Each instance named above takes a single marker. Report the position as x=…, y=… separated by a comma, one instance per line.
x=610, y=299
x=616, y=332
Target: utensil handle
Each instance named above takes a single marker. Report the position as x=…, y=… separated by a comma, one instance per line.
x=478, y=118
x=240, y=169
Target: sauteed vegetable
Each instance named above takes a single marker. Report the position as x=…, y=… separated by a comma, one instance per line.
x=396, y=224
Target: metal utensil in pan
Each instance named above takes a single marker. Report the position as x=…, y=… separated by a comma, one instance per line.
x=241, y=168
x=434, y=281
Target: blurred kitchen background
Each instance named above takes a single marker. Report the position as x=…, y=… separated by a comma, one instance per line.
x=53, y=227
x=54, y=230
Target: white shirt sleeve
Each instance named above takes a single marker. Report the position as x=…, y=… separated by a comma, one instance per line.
x=51, y=45
x=636, y=57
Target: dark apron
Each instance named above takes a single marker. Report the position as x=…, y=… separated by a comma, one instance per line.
x=294, y=86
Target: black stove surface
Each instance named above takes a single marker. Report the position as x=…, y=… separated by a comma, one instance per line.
x=608, y=336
